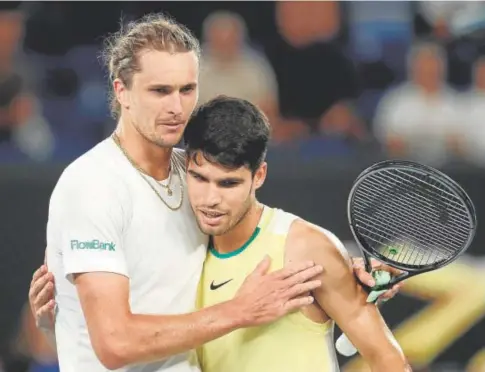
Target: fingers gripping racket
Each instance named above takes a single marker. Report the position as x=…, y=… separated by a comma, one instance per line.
x=408, y=216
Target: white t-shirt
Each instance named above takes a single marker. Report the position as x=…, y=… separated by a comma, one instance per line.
x=423, y=123
x=104, y=217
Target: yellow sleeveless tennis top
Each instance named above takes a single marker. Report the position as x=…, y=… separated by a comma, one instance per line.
x=292, y=344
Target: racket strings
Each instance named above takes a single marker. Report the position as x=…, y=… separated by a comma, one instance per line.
x=453, y=203
x=381, y=226
x=409, y=217
x=418, y=224
x=416, y=221
x=408, y=247
x=427, y=198
x=424, y=200
x=406, y=255
x=427, y=182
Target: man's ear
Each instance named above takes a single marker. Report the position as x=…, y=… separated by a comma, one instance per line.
x=260, y=175
x=121, y=93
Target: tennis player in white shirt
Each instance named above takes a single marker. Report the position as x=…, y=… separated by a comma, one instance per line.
x=123, y=245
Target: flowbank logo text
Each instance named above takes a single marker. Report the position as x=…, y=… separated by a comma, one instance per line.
x=93, y=244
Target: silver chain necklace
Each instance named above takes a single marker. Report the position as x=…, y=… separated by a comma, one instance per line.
x=174, y=166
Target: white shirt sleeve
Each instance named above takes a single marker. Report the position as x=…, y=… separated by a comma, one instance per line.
x=89, y=214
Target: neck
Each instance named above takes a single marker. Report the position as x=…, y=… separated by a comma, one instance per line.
x=148, y=156
x=240, y=234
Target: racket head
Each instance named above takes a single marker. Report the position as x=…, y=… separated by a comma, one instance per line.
x=464, y=215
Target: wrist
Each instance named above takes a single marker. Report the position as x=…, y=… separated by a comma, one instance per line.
x=233, y=315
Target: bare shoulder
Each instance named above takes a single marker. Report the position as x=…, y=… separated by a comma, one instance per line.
x=309, y=241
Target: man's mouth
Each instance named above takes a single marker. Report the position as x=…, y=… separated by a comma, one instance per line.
x=212, y=214
x=212, y=218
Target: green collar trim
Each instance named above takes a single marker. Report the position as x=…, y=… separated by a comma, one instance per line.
x=237, y=251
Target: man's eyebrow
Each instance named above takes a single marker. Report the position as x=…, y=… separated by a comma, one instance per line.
x=194, y=173
x=230, y=179
x=158, y=86
x=168, y=86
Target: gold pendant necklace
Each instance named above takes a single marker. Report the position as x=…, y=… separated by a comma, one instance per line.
x=174, y=168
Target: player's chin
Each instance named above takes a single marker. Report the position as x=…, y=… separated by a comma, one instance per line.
x=212, y=230
x=170, y=139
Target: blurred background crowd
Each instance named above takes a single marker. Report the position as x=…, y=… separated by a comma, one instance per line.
x=339, y=81
x=401, y=78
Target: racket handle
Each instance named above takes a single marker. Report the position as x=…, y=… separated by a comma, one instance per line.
x=344, y=346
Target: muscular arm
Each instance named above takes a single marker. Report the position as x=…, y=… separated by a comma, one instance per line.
x=120, y=337
x=344, y=300
x=83, y=212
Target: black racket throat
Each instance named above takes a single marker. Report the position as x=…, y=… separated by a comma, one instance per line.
x=394, y=280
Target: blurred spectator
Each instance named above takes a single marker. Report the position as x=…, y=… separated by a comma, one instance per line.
x=419, y=119
x=459, y=26
x=473, y=116
x=450, y=19
x=230, y=66
x=304, y=23
x=24, y=133
x=341, y=121
x=340, y=133
x=318, y=80
x=11, y=31
x=313, y=71
x=438, y=14
x=380, y=34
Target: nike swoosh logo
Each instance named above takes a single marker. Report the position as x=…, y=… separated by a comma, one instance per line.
x=213, y=286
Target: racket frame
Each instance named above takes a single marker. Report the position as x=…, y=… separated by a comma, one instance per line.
x=343, y=344
x=409, y=270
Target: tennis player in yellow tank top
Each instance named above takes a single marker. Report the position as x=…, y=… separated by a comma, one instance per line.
x=226, y=143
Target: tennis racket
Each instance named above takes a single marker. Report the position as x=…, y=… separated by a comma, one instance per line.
x=408, y=216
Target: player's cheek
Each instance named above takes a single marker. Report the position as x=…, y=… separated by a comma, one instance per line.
x=194, y=189
x=234, y=202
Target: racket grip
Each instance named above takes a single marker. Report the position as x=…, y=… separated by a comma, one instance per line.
x=344, y=346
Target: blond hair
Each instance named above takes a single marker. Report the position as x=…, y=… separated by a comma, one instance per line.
x=152, y=32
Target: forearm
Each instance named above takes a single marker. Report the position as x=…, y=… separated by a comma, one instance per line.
x=46, y=326
x=384, y=355
x=50, y=336
x=389, y=363
x=375, y=342
x=146, y=338
x=159, y=337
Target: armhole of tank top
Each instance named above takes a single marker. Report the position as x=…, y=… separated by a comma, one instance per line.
x=335, y=240
x=281, y=225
